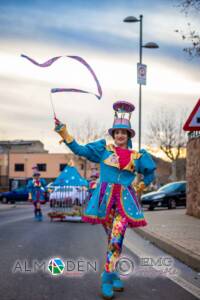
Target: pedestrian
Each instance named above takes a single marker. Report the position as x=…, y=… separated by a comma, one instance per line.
x=114, y=202
x=37, y=189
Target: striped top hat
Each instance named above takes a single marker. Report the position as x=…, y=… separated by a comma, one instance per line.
x=35, y=170
x=123, y=111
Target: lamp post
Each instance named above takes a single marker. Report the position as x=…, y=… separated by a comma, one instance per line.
x=150, y=45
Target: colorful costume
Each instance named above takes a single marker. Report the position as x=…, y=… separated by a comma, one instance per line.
x=111, y=175
x=114, y=202
x=93, y=183
x=36, y=188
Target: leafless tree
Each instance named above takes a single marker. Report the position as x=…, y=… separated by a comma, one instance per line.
x=192, y=35
x=88, y=131
x=166, y=132
x=187, y=5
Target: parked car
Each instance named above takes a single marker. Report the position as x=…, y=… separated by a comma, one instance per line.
x=19, y=194
x=170, y=195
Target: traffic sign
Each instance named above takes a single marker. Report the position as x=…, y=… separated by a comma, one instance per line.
x=141, y=73
x=193, y=122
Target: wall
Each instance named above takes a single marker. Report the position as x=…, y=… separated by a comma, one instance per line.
x=193, y=177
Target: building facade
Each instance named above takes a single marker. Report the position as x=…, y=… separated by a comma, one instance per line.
x=18, y=157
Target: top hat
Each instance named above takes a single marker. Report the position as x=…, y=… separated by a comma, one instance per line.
x=123, y=111
x=35, y=171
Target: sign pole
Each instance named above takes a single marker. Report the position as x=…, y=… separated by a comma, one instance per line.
x=140, y=87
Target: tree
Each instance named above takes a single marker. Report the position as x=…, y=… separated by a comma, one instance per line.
x=166, y=132
x=193, y=36
x=88, y=131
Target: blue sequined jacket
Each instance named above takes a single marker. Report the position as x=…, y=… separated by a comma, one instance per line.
x=111, y=174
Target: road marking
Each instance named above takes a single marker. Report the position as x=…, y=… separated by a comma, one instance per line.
x=191, y=288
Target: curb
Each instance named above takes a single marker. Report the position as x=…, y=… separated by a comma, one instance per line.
x=184, y=255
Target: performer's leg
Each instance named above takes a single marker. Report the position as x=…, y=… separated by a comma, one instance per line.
x=116, y=241
x=106, y=277
x=39, y=211
x=109, y=223
x=35, y=209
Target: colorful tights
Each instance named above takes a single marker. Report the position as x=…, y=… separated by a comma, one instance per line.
x=115, y=229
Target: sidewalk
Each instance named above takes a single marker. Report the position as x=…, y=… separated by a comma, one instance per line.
x=174, y=232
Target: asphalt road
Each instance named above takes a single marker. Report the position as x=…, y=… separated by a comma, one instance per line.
x=25, y=242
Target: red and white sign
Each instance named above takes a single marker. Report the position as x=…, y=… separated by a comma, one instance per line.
x=193, y=122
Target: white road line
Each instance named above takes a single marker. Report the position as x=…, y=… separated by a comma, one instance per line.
x=192, y=289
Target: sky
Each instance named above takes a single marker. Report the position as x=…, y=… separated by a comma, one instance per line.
x=95, y=31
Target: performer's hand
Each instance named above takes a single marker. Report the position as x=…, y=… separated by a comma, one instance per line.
x=61, y=129
x=139, y=187
x=29, y=197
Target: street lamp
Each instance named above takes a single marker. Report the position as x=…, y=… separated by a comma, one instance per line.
x=150, y=45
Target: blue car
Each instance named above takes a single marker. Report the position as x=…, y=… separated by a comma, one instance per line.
x=19, y=194
x=170, y=195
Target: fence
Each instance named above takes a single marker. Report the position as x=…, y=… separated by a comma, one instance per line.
x=68, y=202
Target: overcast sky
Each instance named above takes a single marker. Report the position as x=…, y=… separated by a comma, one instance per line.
x=93, y=30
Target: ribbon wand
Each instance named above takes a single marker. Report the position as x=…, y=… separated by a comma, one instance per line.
x=57, y=122
x=79, y=59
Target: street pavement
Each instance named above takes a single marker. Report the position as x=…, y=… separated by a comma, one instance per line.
x=25, y=241
x=175, y=232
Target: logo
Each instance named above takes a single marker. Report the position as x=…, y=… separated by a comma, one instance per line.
x=124, y=266
x=56, y=266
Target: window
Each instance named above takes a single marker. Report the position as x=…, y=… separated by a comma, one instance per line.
x=19, y=167
x=42, y=167
x=62, y=166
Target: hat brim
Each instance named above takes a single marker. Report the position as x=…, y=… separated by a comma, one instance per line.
x=36, y=174
x=131, y=131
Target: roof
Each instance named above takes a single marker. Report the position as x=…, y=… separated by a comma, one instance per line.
x=19, y=142
x=70, y=177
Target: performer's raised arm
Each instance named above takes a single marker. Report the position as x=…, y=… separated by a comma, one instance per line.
x=92, y=151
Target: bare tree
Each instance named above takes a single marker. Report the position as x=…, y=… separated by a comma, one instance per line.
x=166, y=132
x=192, y=35
x=88, y=131
x=187, y=5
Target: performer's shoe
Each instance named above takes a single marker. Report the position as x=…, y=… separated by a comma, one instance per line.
x=106, y=285
x=40, y=218
x=118, y=285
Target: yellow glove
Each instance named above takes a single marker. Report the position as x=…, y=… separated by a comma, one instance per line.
x=63, y=132
x=140, y=187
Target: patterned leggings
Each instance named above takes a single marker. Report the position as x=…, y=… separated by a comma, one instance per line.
x=115, y=229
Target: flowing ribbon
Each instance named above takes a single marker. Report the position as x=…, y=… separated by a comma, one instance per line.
x=49, y=62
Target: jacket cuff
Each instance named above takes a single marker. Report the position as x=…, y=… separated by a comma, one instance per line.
x=68, y=139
